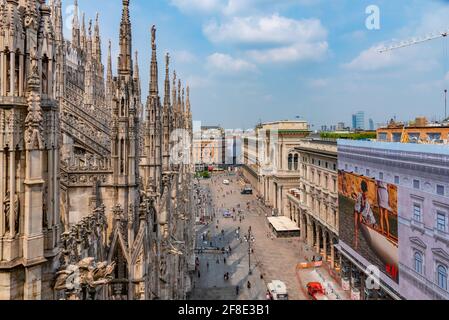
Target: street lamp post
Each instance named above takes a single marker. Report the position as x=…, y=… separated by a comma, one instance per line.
x=249, y=239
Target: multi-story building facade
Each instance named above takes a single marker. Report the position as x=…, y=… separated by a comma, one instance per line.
x=271, y=163
x=209, y=147
x=418, y=131
x=358, y=121
x=313, y=203
x=420, y=173
x=84, y=177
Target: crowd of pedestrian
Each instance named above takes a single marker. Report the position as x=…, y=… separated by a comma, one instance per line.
x=220, y=237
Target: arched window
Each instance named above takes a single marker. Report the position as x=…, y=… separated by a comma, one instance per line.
x=45, y=74
x=122, y=107
x=17, y=73
x=290, y=162
x=8, y=71
x=296, y=161
x=442, y=277
x=418, y=262
x=122, y=156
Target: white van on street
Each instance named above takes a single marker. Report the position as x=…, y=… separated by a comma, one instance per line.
x=278, y=290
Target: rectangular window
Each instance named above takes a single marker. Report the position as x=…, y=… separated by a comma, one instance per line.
x=397, y=137
x=382, y=136
x=416, y=184
x=434, y=136
x=441, y=221
x=417, y=212
x=397, y=180
x=413, y=137
x=440, y=190
x=381, y=175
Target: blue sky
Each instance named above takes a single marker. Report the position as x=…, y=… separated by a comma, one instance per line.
x=261, y=60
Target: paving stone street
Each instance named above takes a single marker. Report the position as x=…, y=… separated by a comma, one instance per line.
x=272, y=258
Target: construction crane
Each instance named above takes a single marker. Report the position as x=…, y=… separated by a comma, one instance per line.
x=419, y=40
x=414, y=41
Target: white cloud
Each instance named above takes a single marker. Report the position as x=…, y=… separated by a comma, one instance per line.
x=283, y=39
x=236, y=7
x=371, y=59
x=272, y=29
x=295, y=52
x=227, y=64
x=414, y=58
x=421, y=57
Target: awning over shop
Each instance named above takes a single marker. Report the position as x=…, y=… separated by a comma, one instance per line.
x=284, y=227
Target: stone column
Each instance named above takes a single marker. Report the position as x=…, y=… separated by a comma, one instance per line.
x=309, y=233
x=33, y=237
x=2, y=73
x=56, y=192
x=317, y=233
x=332, y=253
x=50, y=77
x=12, y=72
x=303, y=227
x=325, y=245
x=280, y=202
x=12, y=194
x=21, y=68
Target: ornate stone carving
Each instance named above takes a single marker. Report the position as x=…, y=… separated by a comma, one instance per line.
x=85, y=276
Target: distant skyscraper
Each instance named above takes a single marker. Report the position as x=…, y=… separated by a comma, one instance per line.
x=340, y=126
x=371, y=125
x=358, y=121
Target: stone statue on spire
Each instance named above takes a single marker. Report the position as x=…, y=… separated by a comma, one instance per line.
x=153, y=35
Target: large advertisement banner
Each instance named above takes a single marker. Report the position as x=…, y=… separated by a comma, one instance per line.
x=369, y=220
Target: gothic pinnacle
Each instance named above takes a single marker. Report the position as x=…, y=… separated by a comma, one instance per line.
x=174, y=90
x=179, y=95
x=183, y=101
x=75, y=27
x=75, y=22
x=125, y=63
x=188, y=99
x=167, y=81
x=136, y=65
x=153, y=73
x=109, y=67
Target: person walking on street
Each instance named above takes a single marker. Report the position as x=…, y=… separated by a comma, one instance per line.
x=237, y=290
